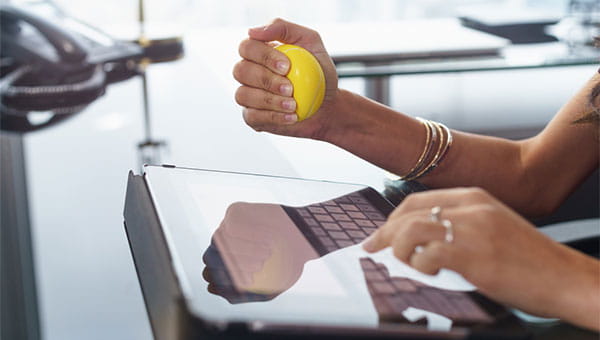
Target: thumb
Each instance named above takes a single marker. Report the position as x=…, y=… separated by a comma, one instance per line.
x=285, y=32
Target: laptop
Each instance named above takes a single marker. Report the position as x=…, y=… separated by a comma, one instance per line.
x=229, y=254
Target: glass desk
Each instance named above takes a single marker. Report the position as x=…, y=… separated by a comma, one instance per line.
x=379, y=69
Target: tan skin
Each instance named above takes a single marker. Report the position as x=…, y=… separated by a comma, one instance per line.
x=494, y=247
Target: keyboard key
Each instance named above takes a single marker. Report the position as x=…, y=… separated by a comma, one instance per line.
x=323, y=218
x=331, y=248
x=331, y=226
x=339, y=235
x=469, y=309
x=374, y=276
x=418, y=301
x=383, y=287
x=341, y=217
x=356, y=214
x=342, y=200
x=375, y=216
x=349, y=225
x=364, y=223
x=317, y=210
x=349, y=207
x=334, y=210
x=311, y=222
x=330, y=203
x=369, y=231
x=326, y=241
x=356, y=233
x=303, y=212
x=344, y=243
x=318, y=231
x=367, y=264
x=383, y=307
x=357, y=198
x=397, y=303
x=443, y=304
x=366, y=208
x=403, y=285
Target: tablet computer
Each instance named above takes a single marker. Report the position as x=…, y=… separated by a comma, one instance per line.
x=229, y=254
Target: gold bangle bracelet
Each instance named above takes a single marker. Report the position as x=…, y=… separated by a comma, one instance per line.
x=430, y=140
x=424, y=152
x=446, y=146
x=435, y=157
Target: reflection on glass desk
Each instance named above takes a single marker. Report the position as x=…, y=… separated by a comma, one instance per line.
x=512, y=57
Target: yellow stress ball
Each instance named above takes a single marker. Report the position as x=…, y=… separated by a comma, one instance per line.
x=307, y=79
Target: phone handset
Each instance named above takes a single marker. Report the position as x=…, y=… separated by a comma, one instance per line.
x=66, y=45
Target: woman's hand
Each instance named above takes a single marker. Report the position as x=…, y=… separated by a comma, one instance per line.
x=496, y=250
x=266, y=94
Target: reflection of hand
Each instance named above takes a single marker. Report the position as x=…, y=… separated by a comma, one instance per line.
x=220, y=283
x=262, y=249
x=496, y=250
x=266, y=93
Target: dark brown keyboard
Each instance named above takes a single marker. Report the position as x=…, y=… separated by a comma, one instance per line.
x=392, y=295
x=339, y=223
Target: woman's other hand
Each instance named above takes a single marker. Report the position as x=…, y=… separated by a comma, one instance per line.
x=496, y=250
x=266, y=94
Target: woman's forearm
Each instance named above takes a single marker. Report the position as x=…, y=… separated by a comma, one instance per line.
x=578, y=300
x=394, y=141
x=533, y=176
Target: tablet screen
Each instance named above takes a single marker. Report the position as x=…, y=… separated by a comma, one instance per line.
x=283, y=250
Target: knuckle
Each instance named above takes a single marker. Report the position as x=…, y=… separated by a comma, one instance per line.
x=273, y=116
x=266, y=82
x=268, y=100
x=413, y=224
x=313, y=35
x=266, y=59
x=410, y=201
x=277, y=20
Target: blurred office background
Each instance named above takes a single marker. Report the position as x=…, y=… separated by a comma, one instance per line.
x=456, y=95
x=77, y=170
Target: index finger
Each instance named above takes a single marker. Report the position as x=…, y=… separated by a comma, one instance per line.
x=263, y=54
x=382, y=237
x=444, y=198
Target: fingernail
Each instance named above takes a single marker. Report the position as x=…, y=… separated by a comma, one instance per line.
x=289, y=105
x=283, y=66
x=290, y=118
x=286, y=89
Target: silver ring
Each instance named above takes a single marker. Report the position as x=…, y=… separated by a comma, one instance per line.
x=449, y=231
x=435, y=213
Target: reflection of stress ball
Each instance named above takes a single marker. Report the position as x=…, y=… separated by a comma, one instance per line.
x=307, y=79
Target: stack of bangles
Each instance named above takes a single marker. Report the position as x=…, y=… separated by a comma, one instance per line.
x=436, y=134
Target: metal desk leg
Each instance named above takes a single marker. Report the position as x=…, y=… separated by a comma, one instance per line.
x=378, y=89
x=19, y=317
